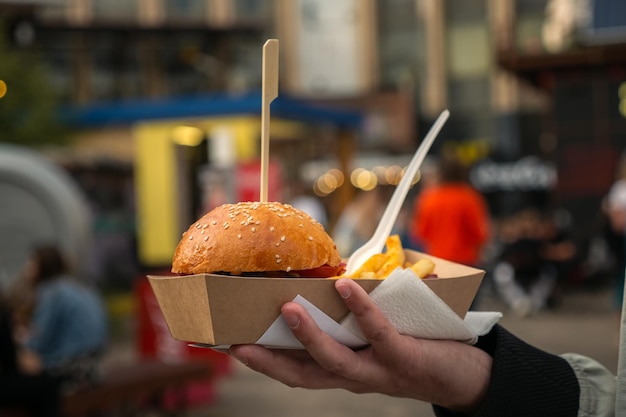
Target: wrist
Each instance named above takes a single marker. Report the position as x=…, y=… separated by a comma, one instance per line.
x=464, y=379
x=473, y=391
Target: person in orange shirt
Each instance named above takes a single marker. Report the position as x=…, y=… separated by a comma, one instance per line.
x=450, y=218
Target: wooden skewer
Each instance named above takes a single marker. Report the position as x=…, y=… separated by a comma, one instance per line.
x=269, y=93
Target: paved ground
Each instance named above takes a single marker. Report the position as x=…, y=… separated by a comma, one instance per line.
x=583, y=323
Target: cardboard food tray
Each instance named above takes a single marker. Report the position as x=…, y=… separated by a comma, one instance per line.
x=223, y=310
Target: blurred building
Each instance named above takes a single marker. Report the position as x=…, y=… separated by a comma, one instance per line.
x=581, y=72
x=538, y=78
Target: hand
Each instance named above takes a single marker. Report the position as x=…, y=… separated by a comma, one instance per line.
x=451, y=374
x=29, y=362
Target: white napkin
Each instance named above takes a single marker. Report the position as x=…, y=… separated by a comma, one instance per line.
x=278, y=335
x=415, y=310
x=409, y=304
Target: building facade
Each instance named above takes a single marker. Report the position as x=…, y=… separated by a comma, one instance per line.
x=518, y=76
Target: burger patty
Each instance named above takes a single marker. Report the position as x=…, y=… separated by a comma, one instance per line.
x=324, y=271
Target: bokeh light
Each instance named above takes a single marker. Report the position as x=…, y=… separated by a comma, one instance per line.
x=187, y=135
x=361, y=178
x=393, y=174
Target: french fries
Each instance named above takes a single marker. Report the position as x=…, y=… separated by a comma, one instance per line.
x=423, y=268
x=379, y=266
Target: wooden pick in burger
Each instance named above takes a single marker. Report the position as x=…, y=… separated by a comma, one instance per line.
x=269, y=93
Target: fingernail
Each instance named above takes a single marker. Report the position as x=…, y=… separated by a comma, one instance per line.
x=292, y=320
x=344, y=291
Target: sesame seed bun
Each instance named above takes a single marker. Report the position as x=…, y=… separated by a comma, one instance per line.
x=251, y=237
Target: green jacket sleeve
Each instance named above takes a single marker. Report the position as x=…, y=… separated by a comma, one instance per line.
x=597, y=386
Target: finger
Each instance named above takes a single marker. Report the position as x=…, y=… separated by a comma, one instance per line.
x=252, y=354
x=347, y=369
x=354, y=371
x=331, y=355
x=378, y=331
x=291, y=367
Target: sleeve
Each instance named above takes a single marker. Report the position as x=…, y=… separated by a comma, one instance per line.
x=477, y=219
x=597, y=386
x=419, y=224
x=525, y=381
x=43, y=326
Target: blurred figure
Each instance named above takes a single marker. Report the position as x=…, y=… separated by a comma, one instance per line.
x=534, y=255
x=430, y=176
x=614, y=207
x=23, y=385
x=359, y=220
x=302, y=198
x=67, y=330
x=450, y=218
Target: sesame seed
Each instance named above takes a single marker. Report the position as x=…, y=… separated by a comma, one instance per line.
x=253, y=229
x=288, y=268
x=277, y=256
x=198, y=226
x=310, y=237
x=278, y=260
x=225, y=225
x=282, y=238
x=206, y=238
x=191, y=237
x=272, y=228
x=277, y=243
x=214, y=222
x=239, y=236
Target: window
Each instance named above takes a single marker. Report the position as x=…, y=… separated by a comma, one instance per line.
x=185, y=9
x=115, y=9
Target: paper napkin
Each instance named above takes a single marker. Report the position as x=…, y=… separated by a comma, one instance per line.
x=409, y=304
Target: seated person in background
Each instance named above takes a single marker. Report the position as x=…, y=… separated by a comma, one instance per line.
x=68, y=328
x=534, y=255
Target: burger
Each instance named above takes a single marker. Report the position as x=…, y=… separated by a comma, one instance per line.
x=267, y=239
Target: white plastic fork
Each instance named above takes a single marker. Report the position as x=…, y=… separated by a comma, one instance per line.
x=379, y=238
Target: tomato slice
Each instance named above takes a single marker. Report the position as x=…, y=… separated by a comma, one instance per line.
x=324, y=271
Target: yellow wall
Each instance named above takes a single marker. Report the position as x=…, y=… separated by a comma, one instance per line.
x=156, y=193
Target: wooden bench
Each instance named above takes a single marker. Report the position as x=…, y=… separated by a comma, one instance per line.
x=134, y=385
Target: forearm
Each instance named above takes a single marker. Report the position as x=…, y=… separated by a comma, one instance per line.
x=525, y=381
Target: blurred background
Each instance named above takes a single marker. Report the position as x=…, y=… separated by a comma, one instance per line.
x=123, y=121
